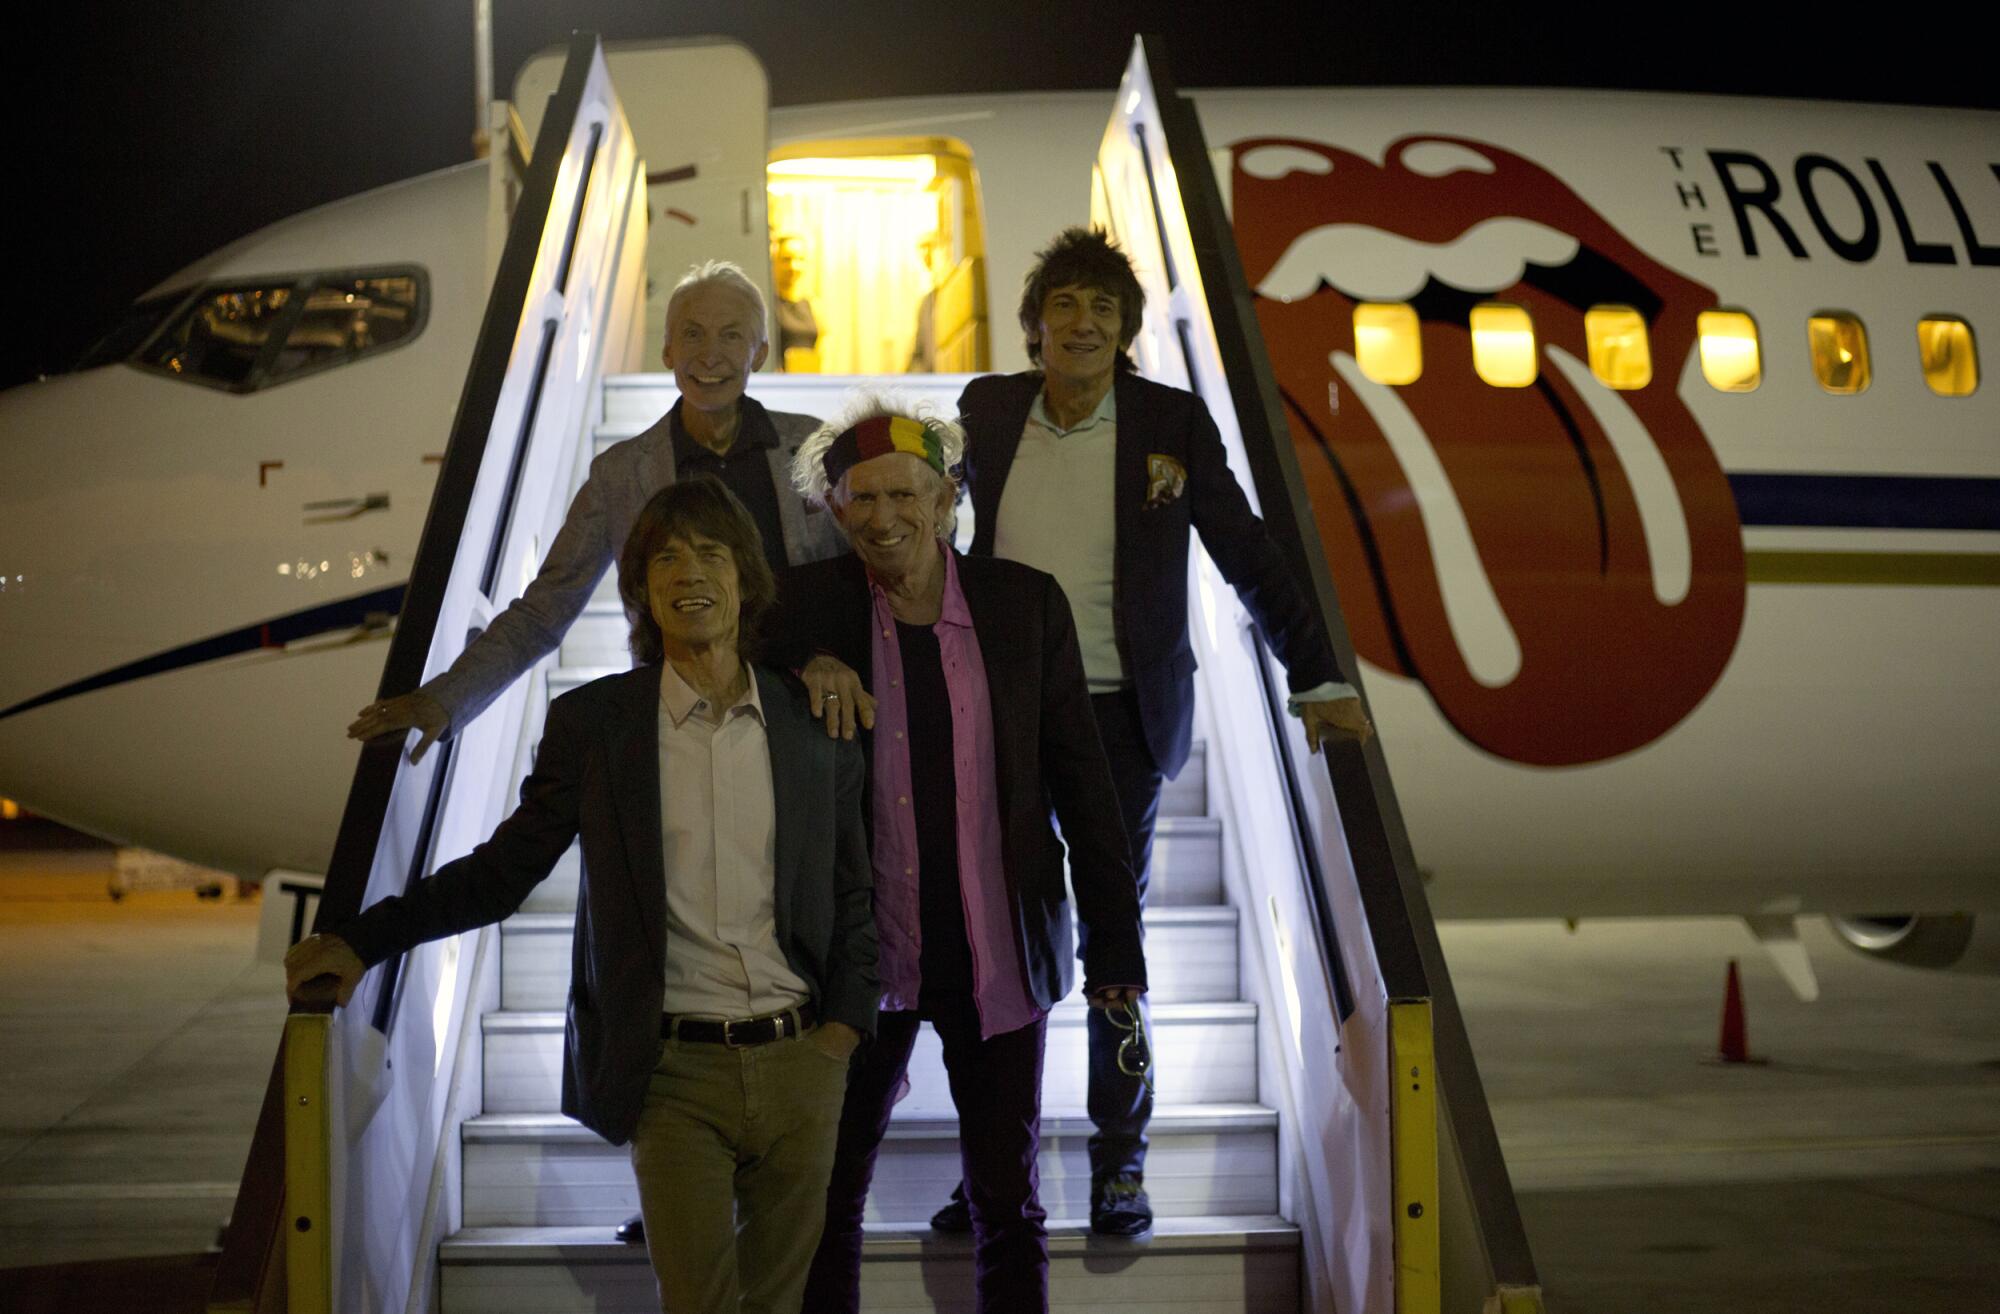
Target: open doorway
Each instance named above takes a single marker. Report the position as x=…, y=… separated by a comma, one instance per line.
x=878, y=257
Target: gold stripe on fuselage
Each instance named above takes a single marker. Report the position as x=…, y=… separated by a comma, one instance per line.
x=1949, y=569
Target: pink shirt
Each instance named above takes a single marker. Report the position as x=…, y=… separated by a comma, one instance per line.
x=999, y=983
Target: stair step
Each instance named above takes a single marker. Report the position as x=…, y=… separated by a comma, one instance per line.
x=1207, y=1054
x=1191, y=957
x=1203, y=1159
x=1214, y=1265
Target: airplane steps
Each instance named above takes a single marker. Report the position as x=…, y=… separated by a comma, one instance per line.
x=1189, y=1265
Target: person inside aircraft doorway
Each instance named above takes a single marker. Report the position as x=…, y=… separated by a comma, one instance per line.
x=725, y=961
x=1084, y=469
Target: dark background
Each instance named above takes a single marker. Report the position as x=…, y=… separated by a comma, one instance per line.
x=153, y=134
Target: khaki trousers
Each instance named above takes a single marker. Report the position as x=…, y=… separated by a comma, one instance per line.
x=732, y=1156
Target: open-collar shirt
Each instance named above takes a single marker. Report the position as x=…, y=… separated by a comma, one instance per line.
x=1000, y=986
x=718, y=835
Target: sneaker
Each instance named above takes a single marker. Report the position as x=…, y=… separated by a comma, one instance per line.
x=1120, y=1208
x=955, y=1217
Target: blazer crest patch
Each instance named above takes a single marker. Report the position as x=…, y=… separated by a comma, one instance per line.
x=1166, y=480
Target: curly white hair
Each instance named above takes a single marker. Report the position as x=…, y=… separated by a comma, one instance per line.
x=809, y=463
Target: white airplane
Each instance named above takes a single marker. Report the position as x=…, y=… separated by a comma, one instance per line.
x=1647, y=437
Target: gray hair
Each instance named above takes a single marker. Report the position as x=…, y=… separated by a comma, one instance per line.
x=722, y=273
x=809, y=463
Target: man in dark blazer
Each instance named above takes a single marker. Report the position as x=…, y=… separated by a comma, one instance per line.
x=724, y=959
x=980, y=725
x=1098, y=476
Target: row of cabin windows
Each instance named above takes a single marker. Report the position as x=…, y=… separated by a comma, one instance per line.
x=1388, y=347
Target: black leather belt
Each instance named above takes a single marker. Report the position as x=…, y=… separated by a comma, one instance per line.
x=737, y=1035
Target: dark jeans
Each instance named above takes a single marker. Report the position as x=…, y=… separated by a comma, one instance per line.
x=1119, y=1105
x=997, y=1087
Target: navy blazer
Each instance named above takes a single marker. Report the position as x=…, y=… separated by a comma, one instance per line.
x=1046, y=752
x=1150, y=588
x=597, y=778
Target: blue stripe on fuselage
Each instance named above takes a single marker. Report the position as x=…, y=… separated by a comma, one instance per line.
x=1867, y=501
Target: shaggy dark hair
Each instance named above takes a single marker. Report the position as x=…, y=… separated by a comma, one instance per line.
x=703, y=506
x=1084, y=257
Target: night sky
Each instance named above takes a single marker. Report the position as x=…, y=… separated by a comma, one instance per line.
x=156, y=133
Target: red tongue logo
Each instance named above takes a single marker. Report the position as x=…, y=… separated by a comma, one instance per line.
x=1587, y=638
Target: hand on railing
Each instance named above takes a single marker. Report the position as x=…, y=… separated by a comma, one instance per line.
x=415, y=710
x=322, y=970
x=1341, y=718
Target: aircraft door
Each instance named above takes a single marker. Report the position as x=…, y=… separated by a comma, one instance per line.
x=698, y=111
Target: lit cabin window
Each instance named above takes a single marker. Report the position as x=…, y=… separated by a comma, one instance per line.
x=1730, y=360
x=1503, y=344
x=1620, y=356
x=1951, y=361
x=1839, y=348
x=1387, y=343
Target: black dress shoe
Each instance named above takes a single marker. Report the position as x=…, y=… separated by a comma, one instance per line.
x=956, y=1216
x=1120, y=1208
x=632, y=1231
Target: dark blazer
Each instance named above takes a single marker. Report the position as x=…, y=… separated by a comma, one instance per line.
x=1150, y=592
x=1045, y=748
x=597, y=776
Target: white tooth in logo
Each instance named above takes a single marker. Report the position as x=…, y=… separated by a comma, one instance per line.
x=1371, y=264
x=1662, y=519
x=1435, y=159
x=1485, y=637
x=1273, y=162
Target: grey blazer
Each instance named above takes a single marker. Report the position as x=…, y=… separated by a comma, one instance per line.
x=597, y=779
x=622, y=480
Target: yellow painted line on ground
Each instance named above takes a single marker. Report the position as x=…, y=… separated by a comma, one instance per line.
x=1950, y=569
x=1657, y=1150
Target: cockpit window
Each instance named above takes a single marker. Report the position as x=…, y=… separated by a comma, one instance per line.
x=131, y=333
x=246, y=336
x=221, y=336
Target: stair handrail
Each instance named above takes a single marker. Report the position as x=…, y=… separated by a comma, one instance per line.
x=382, y=847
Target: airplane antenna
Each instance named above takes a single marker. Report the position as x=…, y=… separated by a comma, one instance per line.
x=482, y=77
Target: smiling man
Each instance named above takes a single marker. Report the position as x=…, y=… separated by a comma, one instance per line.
x=717, y=337
x=725, y=937
x=981, y=725
x=1087, y=471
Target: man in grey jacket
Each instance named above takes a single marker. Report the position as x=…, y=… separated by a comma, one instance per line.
x=717, y=336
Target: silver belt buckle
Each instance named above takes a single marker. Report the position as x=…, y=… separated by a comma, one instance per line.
x=729, y=1039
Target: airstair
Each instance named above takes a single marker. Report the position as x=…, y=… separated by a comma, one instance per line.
x=1320, y=1141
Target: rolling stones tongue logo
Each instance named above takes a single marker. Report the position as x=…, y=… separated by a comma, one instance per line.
x=1561, y=565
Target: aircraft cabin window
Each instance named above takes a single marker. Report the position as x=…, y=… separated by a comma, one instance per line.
x=221, y=335
x=1503, y=344
x=1388, y=345
x=1730, y=358
x=1951, y=360
x=1620, y=356
x=1839, y=349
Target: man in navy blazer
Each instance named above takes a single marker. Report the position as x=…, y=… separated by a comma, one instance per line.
x=724, y=961
x=1087, y=471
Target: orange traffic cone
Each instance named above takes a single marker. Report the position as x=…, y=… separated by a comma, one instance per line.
x=1734, y=1046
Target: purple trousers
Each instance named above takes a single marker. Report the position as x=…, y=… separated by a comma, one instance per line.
x=997, y=1087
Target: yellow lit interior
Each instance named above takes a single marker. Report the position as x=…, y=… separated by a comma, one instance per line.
x=1730, y=360
x=1387, y=343
x=1839, y=349
x=874, y=228
x=1503, y=344
x=1620, y=356
x=1951, y=360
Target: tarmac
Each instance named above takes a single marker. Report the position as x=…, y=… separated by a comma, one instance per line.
x=1856, y=1168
